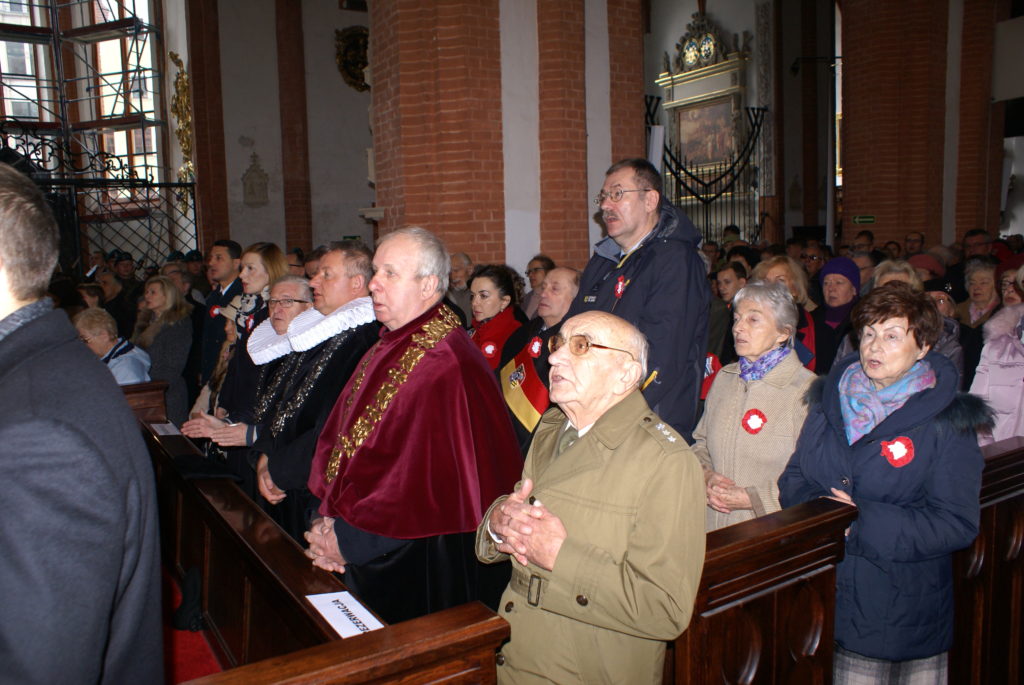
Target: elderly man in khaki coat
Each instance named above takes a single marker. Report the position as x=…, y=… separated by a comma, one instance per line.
x=606, y=527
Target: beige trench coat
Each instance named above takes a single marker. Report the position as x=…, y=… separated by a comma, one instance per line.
x=753, y=460
x=630, y=494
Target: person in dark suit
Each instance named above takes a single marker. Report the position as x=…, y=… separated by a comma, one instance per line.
x=78, y=520
x=224, y=260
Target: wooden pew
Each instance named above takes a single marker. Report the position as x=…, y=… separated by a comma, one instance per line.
x=764, y=611
x=988, y=644
x=147, y=400
x=254, y=580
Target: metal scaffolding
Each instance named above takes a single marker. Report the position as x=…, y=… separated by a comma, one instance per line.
x=81, y=107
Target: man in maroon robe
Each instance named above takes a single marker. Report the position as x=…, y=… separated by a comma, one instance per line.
x=416, y=448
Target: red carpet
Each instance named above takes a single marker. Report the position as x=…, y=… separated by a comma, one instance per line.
x=186, y=654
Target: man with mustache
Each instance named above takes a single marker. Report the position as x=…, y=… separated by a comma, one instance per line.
x=648, y=272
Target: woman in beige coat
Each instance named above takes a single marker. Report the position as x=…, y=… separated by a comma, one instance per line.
x=755, y=409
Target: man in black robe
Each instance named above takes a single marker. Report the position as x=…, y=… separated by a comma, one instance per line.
x=326, y=343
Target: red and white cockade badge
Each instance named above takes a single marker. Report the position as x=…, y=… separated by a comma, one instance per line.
x=898, y=452
x=753, y=421
x=620, y=287
x=214, y=312
x=489, y=349
x=536, y=346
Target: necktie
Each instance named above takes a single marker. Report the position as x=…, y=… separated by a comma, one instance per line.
x=568, y=437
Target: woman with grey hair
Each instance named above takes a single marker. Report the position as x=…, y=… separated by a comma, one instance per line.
x=982, y=302
x=755, y=408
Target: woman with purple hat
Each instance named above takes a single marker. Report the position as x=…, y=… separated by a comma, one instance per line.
x=840, y=283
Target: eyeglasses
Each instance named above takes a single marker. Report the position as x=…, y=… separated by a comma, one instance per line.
x=579, y=345
x=812, y=257
x=616, y=195
x=85, y=338
x=286, y=303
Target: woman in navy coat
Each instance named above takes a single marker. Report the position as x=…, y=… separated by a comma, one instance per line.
x=888, y=433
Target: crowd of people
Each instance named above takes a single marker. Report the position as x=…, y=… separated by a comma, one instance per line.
x=379, y=406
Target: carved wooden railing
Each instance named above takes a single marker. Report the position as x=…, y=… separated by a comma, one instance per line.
x=988, y=642
x=765, y=607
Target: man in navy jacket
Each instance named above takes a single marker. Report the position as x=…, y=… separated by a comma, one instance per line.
x=648, y=271
x=79, y=546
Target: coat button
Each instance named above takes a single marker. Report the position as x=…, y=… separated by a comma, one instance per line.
x=582, y=600
x=845, y=481
x=508, y=607
x=500, y=659
x=647, y=419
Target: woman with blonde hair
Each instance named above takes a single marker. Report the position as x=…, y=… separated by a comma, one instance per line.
x=897, y=270
x=164, y=331
x=788, y=271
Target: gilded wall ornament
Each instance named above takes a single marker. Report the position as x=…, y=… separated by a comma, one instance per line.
x=181, y=108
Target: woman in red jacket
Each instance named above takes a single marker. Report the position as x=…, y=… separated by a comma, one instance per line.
x=493, y=302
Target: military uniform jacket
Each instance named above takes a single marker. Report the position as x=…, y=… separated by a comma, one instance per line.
x=631, y=496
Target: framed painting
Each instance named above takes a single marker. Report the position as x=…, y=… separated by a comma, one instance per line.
x=706, y=131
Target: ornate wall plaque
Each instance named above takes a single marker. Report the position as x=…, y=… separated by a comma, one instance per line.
x=254, y=184
x=351, y=55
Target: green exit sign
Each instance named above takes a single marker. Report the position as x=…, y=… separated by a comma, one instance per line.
x=864, y=219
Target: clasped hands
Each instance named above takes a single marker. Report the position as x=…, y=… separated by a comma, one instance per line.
x=323, y=546
x=723, y=494
x=203, y=425
x=530, y=533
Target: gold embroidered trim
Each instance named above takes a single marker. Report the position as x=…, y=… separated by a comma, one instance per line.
x=433, y=331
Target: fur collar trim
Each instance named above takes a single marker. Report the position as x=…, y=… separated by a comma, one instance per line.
x=965, y=412
x=310, y=328
x=1004, y=322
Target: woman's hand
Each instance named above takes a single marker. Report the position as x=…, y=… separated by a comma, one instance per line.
x=230, y=434
x=201, y=425
x=728, y=498
x=840, y=496
x=714, y=482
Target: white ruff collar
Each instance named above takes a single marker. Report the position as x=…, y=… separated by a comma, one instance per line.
x=310, y=328
x=265, y=345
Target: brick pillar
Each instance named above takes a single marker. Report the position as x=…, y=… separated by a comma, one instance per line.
x=207, y=122
x=437, y=121
x=291, y=78
x=626, y=61
x=893, y=116
x=809, y=71
x=980, y=154
x=564, y=204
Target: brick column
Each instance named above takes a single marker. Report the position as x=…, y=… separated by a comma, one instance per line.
x=809, y=71
x=626, y=62
x=564, y=204
x=291, y=78
x=207, y=122
x=893, y=121
x=437, y=121
x=980, y=153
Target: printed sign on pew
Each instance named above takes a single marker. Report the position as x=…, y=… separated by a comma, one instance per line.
x=344, y=612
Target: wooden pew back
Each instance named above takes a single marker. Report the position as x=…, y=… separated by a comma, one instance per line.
x=254, y=580
x=764, y=612
x=988, y=642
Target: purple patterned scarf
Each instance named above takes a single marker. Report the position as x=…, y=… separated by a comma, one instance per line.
x=759, y=368
x=864, y=407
